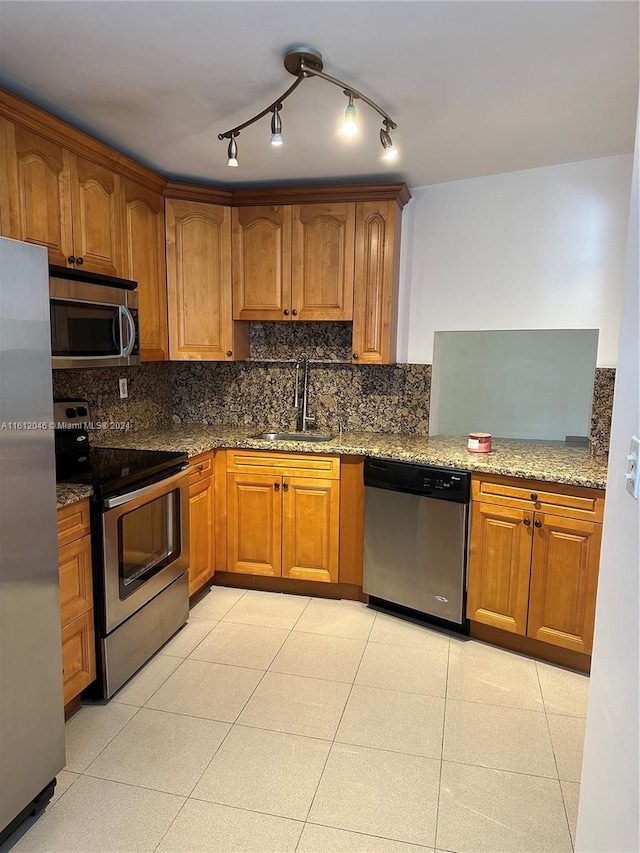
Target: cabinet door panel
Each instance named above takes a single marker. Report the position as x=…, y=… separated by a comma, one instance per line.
x=76, y=584
x=199, y=281
x=564, y=580
x=144, y=257
x=78, y=656
x=201, y=538
x=97, y=212
x=323, y=261
x=499, y=566
x=310, y=529
x=254, y=536
x=375, y=292
x=261, y=262
x=38, y=193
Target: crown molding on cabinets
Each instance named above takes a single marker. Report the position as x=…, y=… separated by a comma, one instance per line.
x=32, y=118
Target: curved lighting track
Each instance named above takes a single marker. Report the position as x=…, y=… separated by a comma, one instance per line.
x=304, y=62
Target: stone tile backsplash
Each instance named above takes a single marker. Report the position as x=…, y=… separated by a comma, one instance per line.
x=366, y=398
x=148, y=404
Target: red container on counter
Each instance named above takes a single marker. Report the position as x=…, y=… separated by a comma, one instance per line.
x=479, y=442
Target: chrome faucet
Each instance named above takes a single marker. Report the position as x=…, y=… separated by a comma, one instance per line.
x=301, y=400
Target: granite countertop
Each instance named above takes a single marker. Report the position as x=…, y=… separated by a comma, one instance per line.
x=535, y=460
x=69, y=493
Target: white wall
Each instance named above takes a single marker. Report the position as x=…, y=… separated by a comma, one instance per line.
x=608, y=817
x=537, y=249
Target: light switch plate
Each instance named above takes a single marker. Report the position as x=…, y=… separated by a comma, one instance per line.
x=124, y=391
x=633, y=468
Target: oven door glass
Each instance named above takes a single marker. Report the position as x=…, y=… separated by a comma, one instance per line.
x=85, y=329
x=149, y=539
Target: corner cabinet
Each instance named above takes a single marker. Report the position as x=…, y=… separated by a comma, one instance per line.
x=201, y=326
x=144, y=255
x=283, y=515
x=76, y=599
x=533, y=560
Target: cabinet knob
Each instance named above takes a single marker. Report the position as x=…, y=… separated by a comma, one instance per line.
x=285, y=487
x=276, y=486
x=294, y=313
x=229, y=353
x=286, y=312
x=527, y=522
x=71, y=259
x=355, y=355
x=200, y=467
x=79, y=261
x=537, y=524
x=534, y=496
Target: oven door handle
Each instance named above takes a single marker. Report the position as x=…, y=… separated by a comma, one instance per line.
x=160, y=485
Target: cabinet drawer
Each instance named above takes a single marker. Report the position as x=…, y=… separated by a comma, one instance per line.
x=285, y=464
x=552, y=498
x=78, y=656
x=203, y=467
x=73, y=522
x=76, y=587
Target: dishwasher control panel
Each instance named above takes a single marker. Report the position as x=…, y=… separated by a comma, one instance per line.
x=443, y=483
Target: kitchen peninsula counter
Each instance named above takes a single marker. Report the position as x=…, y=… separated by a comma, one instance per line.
x=552, y=462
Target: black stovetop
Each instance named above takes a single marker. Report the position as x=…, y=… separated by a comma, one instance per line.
x=111, y=469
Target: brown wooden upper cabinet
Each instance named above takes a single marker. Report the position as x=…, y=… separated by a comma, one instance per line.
x=201, y=326
x=293, y=262
x=62, y=201
x=375, y=287
x=144, y=255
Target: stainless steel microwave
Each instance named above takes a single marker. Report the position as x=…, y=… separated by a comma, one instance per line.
x=94, y=319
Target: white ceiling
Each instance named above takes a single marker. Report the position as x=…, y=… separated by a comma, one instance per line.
x=476, y=87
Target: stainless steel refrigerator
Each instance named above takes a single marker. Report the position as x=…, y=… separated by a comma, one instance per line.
x=31, y=704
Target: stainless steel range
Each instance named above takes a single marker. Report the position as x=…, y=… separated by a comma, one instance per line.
x=140, y=543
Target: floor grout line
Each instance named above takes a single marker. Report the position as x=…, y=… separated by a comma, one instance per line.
x=444, y=725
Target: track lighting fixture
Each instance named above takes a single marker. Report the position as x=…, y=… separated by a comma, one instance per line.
x=276, y=126
x=349, y=128
x=232, y=151
x=390, y=150
x=304, y=62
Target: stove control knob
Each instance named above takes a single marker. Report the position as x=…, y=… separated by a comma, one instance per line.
x=71, y=413
x=82, y=411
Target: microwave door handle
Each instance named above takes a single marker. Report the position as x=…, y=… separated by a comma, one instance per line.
x=127, y=315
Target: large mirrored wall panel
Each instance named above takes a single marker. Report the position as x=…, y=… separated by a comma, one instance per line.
x=533, y=383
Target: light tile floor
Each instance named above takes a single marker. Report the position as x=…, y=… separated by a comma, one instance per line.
x=276, y=723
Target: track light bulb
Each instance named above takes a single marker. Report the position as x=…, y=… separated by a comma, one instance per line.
x=349, y=128
x=390, y=151
x=232, y=153
x=276, y=128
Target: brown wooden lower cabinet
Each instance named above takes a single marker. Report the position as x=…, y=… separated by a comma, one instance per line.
x=201, y=520
x=286, y=523
x=78, y=655
x=533, y=560
x=76, y=599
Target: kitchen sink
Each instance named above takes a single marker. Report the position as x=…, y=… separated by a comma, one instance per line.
x=294, y=436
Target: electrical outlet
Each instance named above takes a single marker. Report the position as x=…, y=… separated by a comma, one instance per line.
x=633, y=468
x=124, y=391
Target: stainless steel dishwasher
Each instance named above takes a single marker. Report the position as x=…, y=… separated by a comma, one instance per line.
x=415, y=537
